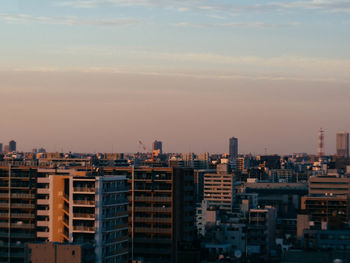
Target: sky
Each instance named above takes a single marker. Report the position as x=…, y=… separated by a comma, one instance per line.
x=99, y=75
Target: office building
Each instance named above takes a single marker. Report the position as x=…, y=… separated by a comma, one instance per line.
x=233, y=147
x=12, y=146
x=342, y=141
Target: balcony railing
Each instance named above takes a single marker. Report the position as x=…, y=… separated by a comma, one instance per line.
x=151, y=199
x=17, y=205
x=84, y=228
x=20, y=196
x=84, y=215
x=84, y=189
x=17, y=215
x=84, y=202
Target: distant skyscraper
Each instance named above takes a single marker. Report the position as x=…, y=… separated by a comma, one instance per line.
x=233, y=147
x=0, y=147
x=157, y=146
x=343, y=144
x=12, y=146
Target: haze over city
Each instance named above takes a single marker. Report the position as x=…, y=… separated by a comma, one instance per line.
x=98, y=76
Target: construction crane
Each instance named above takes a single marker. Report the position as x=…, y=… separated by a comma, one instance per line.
x=141, y=144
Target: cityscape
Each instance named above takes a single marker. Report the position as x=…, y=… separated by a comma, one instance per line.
x=153, y=206
x=174, y=131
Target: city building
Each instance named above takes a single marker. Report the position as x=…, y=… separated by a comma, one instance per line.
x=161, y=214
x=12, y=146
x=17, y=211
x=63, y=205
x=330, y=185
x=261, y=233
x=342, y=141
x=219, y=188
x=1, y=148
x=233, y=147
x=157, y=148
x=327, y=211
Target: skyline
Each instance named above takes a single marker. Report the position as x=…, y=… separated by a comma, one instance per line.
x=100, y=75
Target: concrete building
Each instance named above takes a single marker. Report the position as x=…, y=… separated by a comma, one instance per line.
x=161, y=214
x=327, y=211
x=261, y=233
x=157, y=147
x=17, y=211
x=330, y=185
x=219, y=188
x=63, y=205
x=342, y=141
x=12, y=146
x=233, y=147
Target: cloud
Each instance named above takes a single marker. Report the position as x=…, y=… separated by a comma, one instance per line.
x=341, y=6
x=235, y=24
x=67, y=20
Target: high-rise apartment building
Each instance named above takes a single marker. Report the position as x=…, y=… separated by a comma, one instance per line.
x=63, y=205
x=233, y=147
x=157, y=147
x=342, y=141
x=161, y=214
x=17, y=211
x=12, y=146
x=219, y=188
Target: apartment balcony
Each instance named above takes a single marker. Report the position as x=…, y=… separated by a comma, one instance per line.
x=17, y=215
x=152, y=209
x=43, y=201
x=153, y=230
x=84, y=216
x=17, y=225
x=17, y=196
x=17, y=205
x=151, y=199
x=43, y=212
x=153, y=220
x=84, y=203
x=84, y=190
x=42, y=234
x=43, y=180
x=42, y=223
x=43, y=190
x=87, y=229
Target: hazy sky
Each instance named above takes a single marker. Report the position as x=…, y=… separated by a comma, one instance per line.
x=98, y=75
